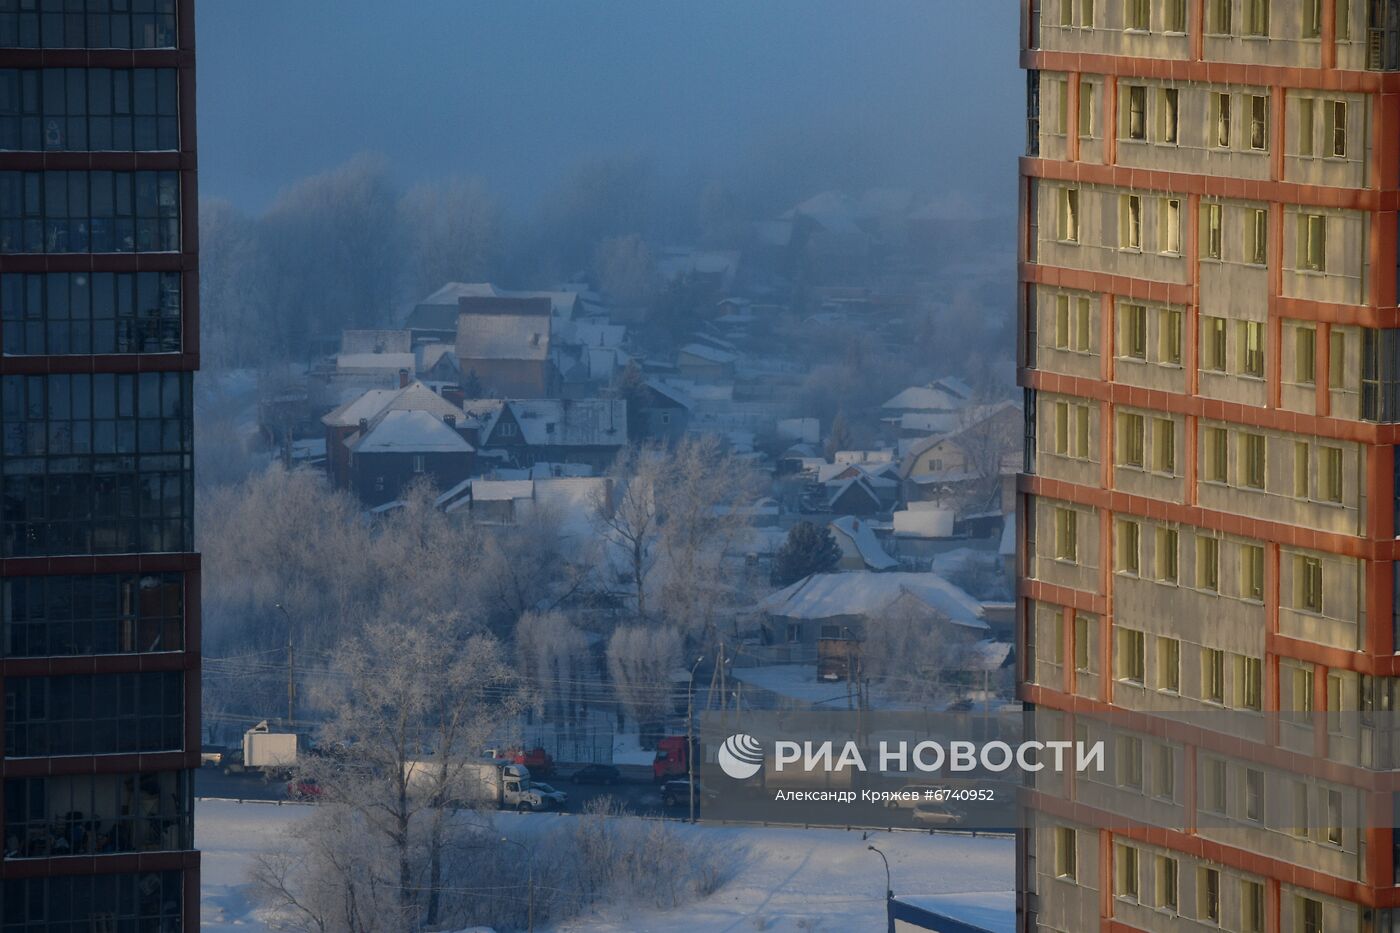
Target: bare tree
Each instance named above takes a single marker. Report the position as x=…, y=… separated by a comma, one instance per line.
x=554, y=659
x=625, y=269
x=916, y=654
x=453, y=231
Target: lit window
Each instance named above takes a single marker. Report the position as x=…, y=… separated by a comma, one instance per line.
x=1251, y=348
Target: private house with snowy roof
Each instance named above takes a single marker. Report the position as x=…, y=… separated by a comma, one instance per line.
x=358, y=416
x=504, y=346
x=523, y=432
x=404, y=446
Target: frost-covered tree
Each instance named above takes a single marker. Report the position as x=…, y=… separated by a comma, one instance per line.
x=554, y=659
x=640, y=662
x=453, y=232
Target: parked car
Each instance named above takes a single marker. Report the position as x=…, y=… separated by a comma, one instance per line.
x=677, y=793
x=303, y=789
x=596, y=774
x=928, y=813
x=556, y=798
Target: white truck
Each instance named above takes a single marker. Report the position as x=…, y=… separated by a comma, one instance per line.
x=273, y=753
x=491, y=781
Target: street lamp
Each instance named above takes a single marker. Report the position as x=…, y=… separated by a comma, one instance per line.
x=690, y=737
x=889, y=888
x=530, y=878
x=291, y=669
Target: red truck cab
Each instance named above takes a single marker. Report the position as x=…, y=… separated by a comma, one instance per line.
x=672, y=758
x=536, y=759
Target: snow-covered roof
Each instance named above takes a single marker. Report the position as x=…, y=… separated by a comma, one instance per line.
x=862, y=535
x=416, y=432
x=587, y=422
x=375, y=341
x=1007, y=546
x=413, y=397
x=562, y=301
x=929, y=398
x=501, y=490
x=861, y=593
x=989, y=912
x=503, y=336
x=706, y=352
x=429, y=354
x=671, y=392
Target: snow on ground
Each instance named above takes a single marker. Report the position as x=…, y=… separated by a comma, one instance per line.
x=790, y=879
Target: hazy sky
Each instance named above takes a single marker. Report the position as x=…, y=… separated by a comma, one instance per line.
x=516, y=91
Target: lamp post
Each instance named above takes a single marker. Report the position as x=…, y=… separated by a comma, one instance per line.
x=889, y=888
x=530, y=879
x=690, y=736
x=291, y=668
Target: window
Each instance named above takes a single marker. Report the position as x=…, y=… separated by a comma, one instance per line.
x=1138, y=15
x=1312, y=242
x=1066, y=853
x=420, y=464
x=1061, y=107
x=1252, y=571
x=1062, y=428
x=130, y=901
x=1305, y=355
x=1168, y=114
x=1337, y=128
x=48, y=616
x=1252, y=348
x=1164, y=772
x=1125, y=874
x=1220, y=116
x=1068, y=215
x=1086, y=14
x=89, y=109
x=147, y=812
x=1215, y=228
x=1252, y=453
x=1342, y=24
x=96, y=463
x=1067, y=12
x=1081, y=432
x=1176, y=17
x=1306, y=131
x=1131, y=662
x=1312, y=19
x=94, y=714
x=1307, y=583
x=1257, y=247
x=1128, y=761
x=1249, y=682
x=1256, y=17
x=1207, y=563
x=1137, y=108
x=1301, y=469
x=1334, y=817
x=1218, y=22
x=1130, y=222
x=1254, y=795
x=1252, y=906
x=69, y=313
x=1164, y=446
x=1258, y=123
x=1166, y=555
x=89, y=212
x=1213, y=675
x=51, y=24
x=1134, y=318
x=1057, y=639
x=1062, y=322
x=1309, y=913
x=1066, y=534
x=1130, y=440
x=1081, y=325
x=1167, y=888
x=1129, y=547
x=1169, y=236
x=1336, y=359
x=1217, y=456
x=1083, y=644
x=1208, y=894
x=1302, y=685
x=1331, y=474
x=1086, y=109
x=1213, y=343
x=1169, y=336
x=1168, y=664
x=1215, y=790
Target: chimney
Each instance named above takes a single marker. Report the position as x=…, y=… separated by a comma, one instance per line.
x=364, y=425
x=403, y=379
x=450, y=420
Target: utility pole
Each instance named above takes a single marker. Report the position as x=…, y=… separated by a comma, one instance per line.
x=690, y=737
x=291, y=667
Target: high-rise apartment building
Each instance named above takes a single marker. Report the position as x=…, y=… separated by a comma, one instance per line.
x=1210, y=353
x=99, y=582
